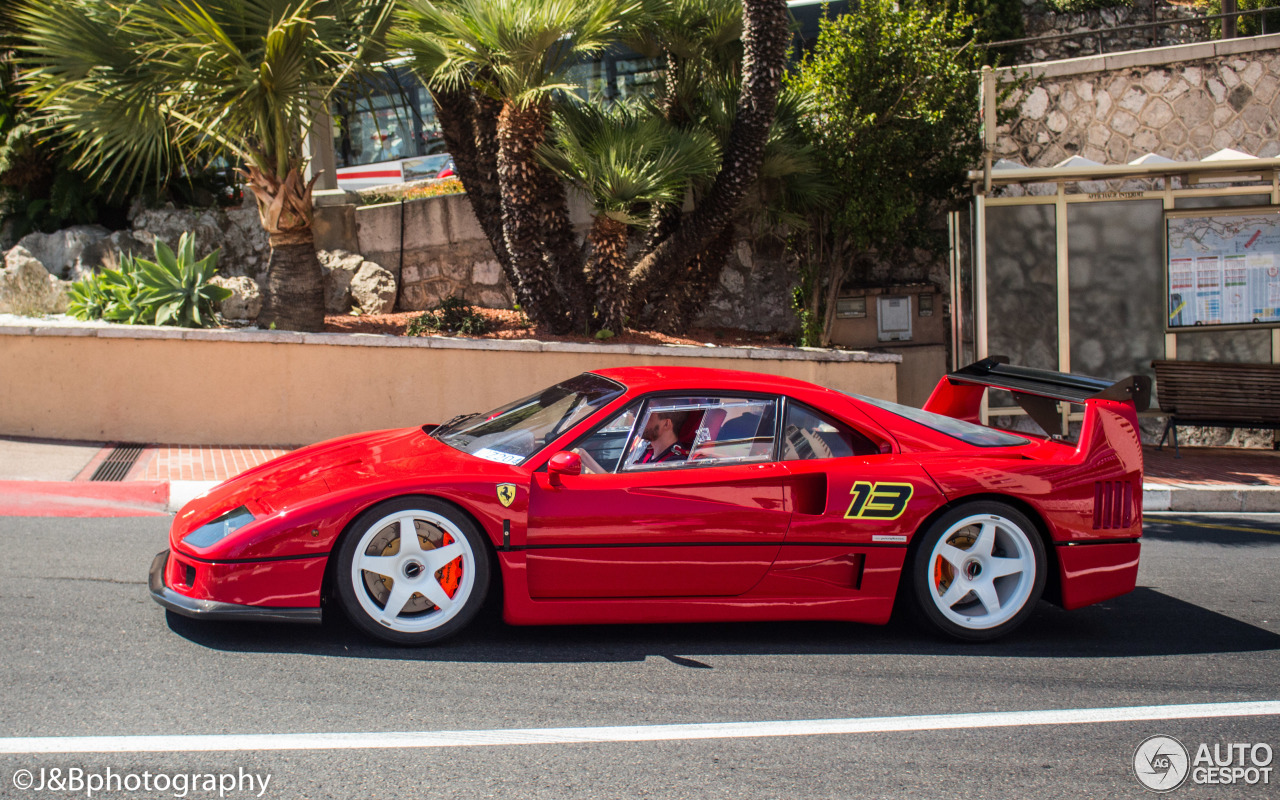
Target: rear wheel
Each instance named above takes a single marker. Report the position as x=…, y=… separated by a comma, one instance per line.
x=412, y=571
x=978, y=571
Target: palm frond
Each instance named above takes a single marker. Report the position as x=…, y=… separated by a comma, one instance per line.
x=525, y=47
x=140, y=85
x=627, y=157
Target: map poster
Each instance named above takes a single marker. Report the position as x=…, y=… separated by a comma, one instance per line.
x=1223, y=268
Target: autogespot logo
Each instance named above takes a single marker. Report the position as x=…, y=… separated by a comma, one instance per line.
x=1161, y=763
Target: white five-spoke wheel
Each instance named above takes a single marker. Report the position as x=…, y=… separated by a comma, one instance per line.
x=412, y=570
x=978, y=571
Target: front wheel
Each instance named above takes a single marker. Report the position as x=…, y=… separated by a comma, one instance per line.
x=978, y=571
x=412, y=571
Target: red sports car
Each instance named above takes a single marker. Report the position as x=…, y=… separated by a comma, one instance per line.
x=661, y=494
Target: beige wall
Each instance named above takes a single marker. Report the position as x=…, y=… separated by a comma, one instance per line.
x=215, y=387
x=921, y=368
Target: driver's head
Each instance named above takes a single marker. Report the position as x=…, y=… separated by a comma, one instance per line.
x=664, y=424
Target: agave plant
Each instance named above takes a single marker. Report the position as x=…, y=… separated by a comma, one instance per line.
x=89, y=300
x=129, y=300
x=178, y=285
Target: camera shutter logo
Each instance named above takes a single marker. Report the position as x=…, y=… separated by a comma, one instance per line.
x=1161, y=763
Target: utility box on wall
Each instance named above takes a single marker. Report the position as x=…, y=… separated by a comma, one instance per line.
x=891, y=316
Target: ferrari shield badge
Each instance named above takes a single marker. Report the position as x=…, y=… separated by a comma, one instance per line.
x=506, y=494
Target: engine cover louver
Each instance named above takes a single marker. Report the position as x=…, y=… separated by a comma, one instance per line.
x=1112, y=504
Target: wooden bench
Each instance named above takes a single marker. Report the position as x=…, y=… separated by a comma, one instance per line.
x=1218, y=395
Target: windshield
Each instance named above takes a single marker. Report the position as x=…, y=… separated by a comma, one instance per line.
x=967, y=432
x=516, y=431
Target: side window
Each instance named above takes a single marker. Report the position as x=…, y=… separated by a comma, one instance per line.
x=810, y=434
x=602, y=450
x=674, y=432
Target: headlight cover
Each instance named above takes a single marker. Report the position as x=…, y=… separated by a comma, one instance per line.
x=219, y=529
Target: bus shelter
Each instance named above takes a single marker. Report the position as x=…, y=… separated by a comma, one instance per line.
x=1100, y=268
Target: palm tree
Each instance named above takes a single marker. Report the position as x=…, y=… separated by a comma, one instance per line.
x=518, y=52
x=144, y=86
x=626, y=159
x=765, y=38
x=500, y=66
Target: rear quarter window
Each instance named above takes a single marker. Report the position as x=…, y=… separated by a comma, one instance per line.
x=967, y=432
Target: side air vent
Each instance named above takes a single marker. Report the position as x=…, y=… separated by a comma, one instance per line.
x=1112, y=504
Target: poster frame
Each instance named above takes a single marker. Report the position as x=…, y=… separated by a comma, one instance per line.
x=1219, y=212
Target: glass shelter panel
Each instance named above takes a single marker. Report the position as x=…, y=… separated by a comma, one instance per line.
x=1116, y=251
x=1022, y=293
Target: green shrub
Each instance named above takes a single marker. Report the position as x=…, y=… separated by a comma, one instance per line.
x=1245, y=26
x=411, y=191
x=451, y=315
x=175, y=289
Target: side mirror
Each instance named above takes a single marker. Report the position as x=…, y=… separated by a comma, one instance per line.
x=563, y=463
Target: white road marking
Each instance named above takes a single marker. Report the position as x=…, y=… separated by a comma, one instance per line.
x=628, y=733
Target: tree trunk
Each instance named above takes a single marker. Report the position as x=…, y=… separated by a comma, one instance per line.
x=294, y=297
x=674, y=310
x=561, y=252
x=606, y=272
x=837, y=273
x=469, y=124
x=524, y=217
x=765, y=39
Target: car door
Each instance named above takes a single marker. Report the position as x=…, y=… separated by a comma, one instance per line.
x=706, y=524
x=845, y=485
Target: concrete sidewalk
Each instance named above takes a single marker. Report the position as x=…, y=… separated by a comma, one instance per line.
x=42, y=477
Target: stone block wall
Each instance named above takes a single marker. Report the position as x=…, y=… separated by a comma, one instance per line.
x=235, y=231
x=1183, y=103
x=445, y=253
x=1094, y=31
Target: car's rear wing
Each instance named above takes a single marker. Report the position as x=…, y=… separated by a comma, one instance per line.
x=959, y=394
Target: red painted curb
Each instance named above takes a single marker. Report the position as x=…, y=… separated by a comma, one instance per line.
x=83, y=499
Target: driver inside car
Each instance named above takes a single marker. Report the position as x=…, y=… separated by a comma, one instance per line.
x=661, y=431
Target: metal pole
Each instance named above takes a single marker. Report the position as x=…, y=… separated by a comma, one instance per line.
x=980, y=288
x=988, y=100
x=1229, y=23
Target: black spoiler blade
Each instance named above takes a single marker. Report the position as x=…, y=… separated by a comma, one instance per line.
x=998, y=373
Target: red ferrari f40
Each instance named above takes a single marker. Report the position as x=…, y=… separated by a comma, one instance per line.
x=663, y=494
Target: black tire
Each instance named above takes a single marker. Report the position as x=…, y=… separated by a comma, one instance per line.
x=957, y=536
x=376, y=535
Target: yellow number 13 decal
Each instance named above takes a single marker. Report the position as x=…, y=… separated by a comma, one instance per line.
x=878, y=500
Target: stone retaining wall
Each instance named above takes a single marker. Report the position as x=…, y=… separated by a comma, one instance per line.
x=1183, y=103
x=1094, y=30
x=445, y=253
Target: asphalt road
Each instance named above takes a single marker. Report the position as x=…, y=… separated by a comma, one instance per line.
x=85, y=652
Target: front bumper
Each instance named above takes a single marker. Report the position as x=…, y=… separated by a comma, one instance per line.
x=214, y=609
